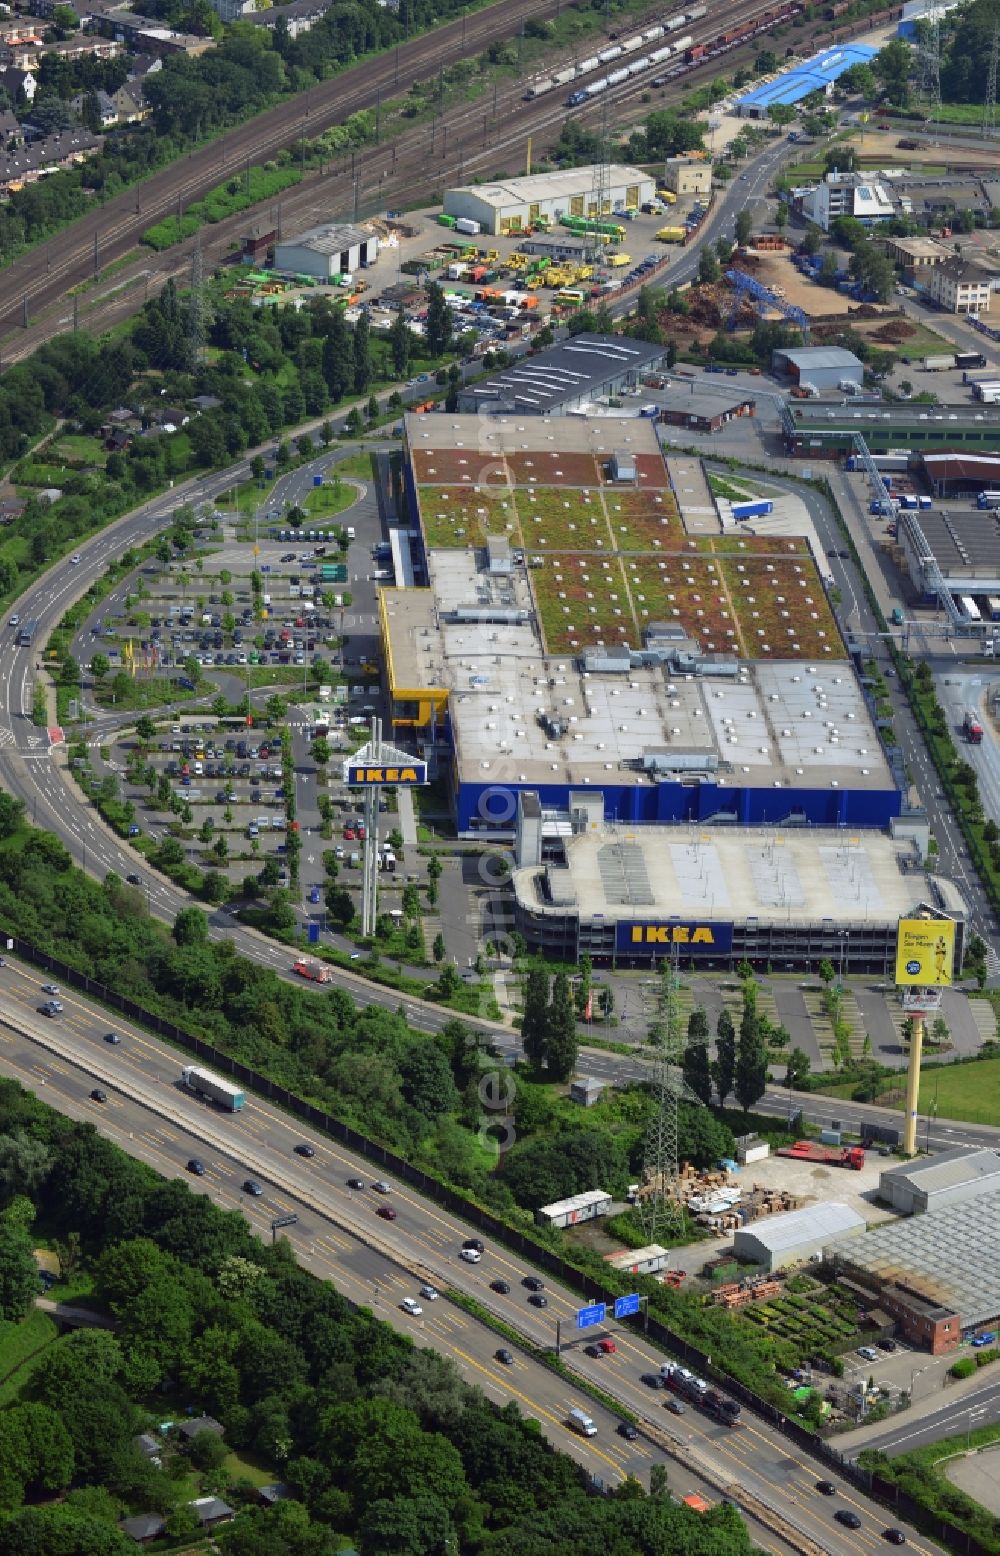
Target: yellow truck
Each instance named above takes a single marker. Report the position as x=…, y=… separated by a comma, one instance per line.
x=619, y=261
x=667, y=196
x=670, y=235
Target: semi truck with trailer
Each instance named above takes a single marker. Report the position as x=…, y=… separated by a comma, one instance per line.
x=205, y=1084
x=694, y=1389
x=972, y=729
x=314, y=971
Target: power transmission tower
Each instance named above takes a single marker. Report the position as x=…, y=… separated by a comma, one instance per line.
x=990, y=105
x=930, y=60
x=602, y=183
x=660, y=1209
x=196, y=307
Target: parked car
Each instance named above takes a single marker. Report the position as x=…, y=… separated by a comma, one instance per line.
x=868, y=1352
x=984, y=1339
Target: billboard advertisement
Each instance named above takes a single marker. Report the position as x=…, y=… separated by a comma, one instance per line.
x=366, y=775
x=925, y=952
x=658, y=939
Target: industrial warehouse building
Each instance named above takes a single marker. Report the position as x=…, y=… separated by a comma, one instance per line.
x=947, y=1258
x=948, y=1178
x=822, y=367
x=326, y=251
x=814, y=75
x=512, y=205
x=796, y=1236
x=581, y=662
x=817, y=431
x=703, y=410
x=566, y=377
x=789, y=898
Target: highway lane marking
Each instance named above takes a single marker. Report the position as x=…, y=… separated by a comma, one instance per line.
x=504, y=1383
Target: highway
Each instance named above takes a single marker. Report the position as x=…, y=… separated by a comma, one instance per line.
x=981, y=1407
x=339, y=1235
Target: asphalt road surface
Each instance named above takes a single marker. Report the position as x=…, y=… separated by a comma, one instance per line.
x=339, y=1234
x=980, y=1408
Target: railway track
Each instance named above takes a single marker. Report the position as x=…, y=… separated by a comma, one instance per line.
x=50, y=269
x=467, y=141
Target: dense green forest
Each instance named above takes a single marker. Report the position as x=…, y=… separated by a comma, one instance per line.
x=377, y=1440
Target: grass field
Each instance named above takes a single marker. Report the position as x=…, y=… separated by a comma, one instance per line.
x=20, y=1345
x=970, y=1092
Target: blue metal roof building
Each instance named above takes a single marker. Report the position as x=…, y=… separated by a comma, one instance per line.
x=815, y=75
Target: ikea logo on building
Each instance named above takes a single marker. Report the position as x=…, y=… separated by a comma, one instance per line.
x=367, y=776
x=691, y=939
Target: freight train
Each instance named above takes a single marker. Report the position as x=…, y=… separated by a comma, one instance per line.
x=678, y=53
x=615, y=51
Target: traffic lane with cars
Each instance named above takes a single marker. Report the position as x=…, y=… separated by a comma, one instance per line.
x=262, y=1143
x=365, y=1275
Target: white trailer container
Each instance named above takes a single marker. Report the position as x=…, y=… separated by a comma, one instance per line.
x=562, y=76
x=639, y=1261
x=587, y=65
x=579, y=1207
x=468, y=227
x=758, y=1151
x=214, y=1087
x=938, y=364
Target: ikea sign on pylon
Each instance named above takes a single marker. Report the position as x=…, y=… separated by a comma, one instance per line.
x=367, y=775
x=657, y=939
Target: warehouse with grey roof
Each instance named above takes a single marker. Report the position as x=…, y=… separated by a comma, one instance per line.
x=797, y=1235
x=568, y=376
x=518, y=204
x=329, y=250
x=948, y=1178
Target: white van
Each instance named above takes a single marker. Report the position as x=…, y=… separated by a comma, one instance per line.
x=350, y=532
x=581, y=1422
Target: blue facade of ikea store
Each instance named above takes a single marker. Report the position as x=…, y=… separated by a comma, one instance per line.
x=484, y=807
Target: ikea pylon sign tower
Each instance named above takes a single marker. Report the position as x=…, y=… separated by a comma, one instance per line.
x=375, y=767
x=925, y=967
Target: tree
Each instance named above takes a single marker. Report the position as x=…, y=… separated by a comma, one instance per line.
x=100, y=664
x=893, y=66
x=750, y=1077
x=798, y=1071
x=724, y=1064
x=18, y=1273
x=340, y=905
x=399, y=344
x=781, y=216
x=697, y=1068
x=24, y=1163
x=191, y=927
x=362, y=355
x=437, y=950
x=321, y=751
x=561, y=1041
x=438, y=326
x=708, y=267
x=826, y=970
x=534, y=1022
x=781, y=113
x=744, y=227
